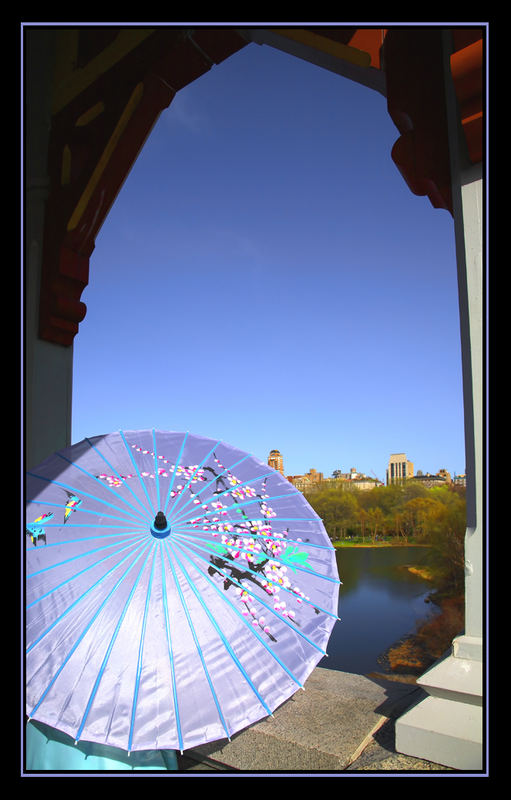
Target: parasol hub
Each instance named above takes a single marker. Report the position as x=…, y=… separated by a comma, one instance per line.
x=160, y=527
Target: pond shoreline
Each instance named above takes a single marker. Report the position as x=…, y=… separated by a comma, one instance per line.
x=416, y=651
x=408, y=657
x=339, y=545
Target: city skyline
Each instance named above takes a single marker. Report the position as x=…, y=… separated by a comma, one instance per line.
x=276, y=457
x=266, y=277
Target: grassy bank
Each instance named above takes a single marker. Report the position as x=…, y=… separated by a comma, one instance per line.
x=368, y=543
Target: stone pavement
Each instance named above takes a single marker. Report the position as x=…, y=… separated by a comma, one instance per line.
x=341, y=722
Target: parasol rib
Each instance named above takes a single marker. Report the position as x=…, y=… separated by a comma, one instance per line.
x=247, y=568
x=170, y=649
x=78, y=600
x=124, y=482
x=204, y=488
x=171, y=484
x=144, y=487
x=249, y=533
x=249, y=503
x=110, y=647
x=90, y=539
x=226, y=491
x=250, y=627
x=86, y=494
x=80, y=555
x=89, y=525
x=81, y=572
x=87, y=627
x=82, y=511
x=214, y=480
x=221, y=633
x=192, y=476
x=278, y=560
x=246, y=532
x=263, y=602
x=90, y=475
x=197, y=643
x=140, y=653
x=156, y=474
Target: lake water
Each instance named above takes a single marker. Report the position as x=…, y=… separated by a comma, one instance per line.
x=379, y=602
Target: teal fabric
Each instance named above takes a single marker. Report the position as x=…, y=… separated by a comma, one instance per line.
x=48, y=749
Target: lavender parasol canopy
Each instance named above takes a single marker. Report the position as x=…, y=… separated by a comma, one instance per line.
x=178, y=590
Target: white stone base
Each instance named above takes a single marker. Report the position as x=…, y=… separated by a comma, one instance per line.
x=447, y=727
x=443, y=731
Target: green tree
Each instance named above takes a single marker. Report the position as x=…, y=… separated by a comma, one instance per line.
x=444, y=530
x=337, y=508
x=399, y=525
x=417, y=512
x=361, y=516
x=375, y=521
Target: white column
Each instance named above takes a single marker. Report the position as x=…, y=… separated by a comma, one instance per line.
x=447, y=726
x=48, y=367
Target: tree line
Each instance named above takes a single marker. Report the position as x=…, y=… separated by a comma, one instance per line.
x=401, y=513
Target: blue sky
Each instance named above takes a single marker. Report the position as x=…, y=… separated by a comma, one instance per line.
x=266, y=277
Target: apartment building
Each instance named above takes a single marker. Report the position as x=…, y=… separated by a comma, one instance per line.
x=399, y=468
x=276, y=461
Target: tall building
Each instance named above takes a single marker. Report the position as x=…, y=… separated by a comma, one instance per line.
x=276, y=461
x=399, y=468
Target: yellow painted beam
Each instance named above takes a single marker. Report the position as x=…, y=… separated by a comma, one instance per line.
x=71, y=81
x=90, y=115
x=125, y=117
x=325, y=45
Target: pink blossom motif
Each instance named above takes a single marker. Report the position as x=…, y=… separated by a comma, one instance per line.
x=267, y=511
x=191, y=473
x=263, y=549
x=252, y=542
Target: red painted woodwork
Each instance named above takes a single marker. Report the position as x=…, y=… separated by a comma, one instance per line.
x=141, y=84
x=467, y=73
x=416, y=102
x=148, y=78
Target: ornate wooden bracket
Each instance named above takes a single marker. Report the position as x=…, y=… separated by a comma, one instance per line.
x=414, y=64
x=413, y=60
x=467, y=73
x=97, y=132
